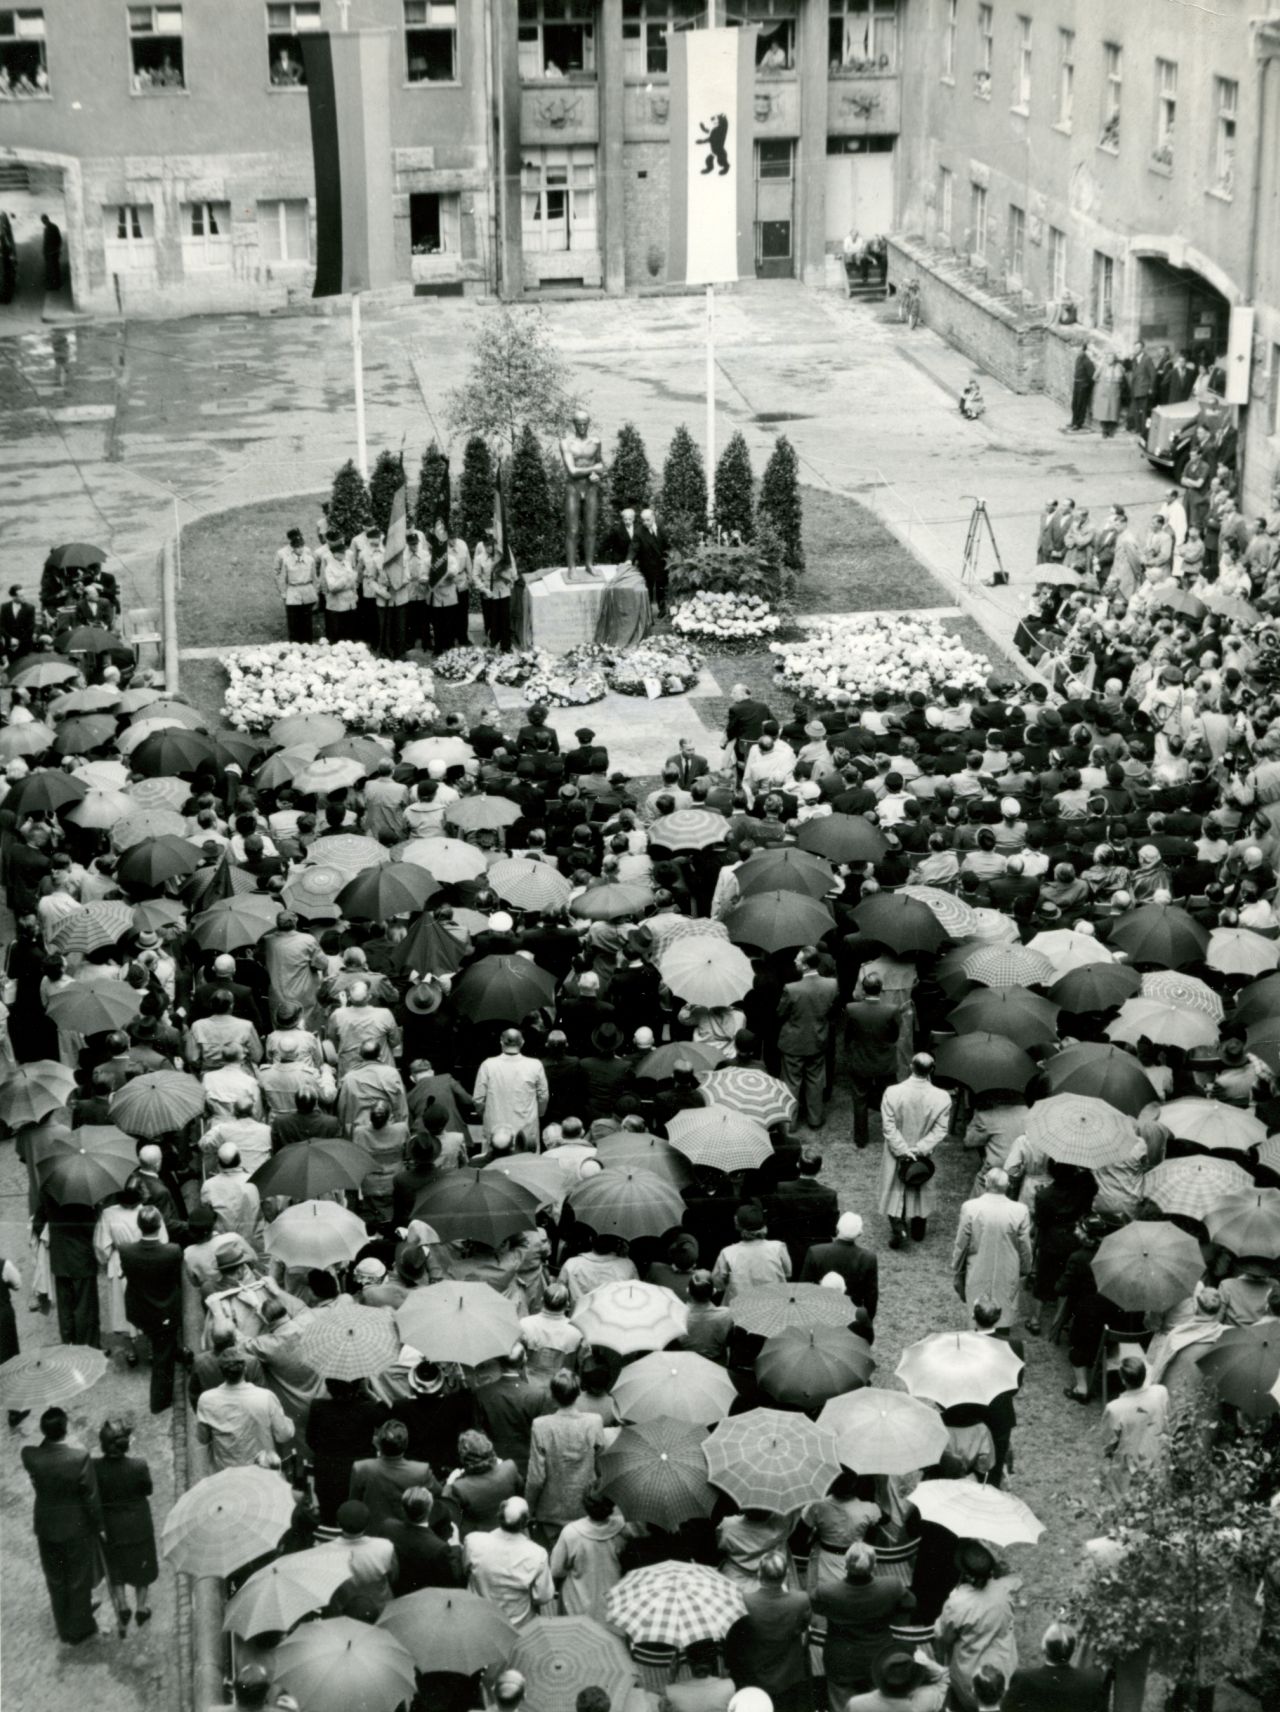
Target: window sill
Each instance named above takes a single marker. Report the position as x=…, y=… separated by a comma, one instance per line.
x=848, y=74
x=779, y=74
x=1162, y=169
x=286, y=89
x=1220, y=195
x=1112, y=149
x=949, y=81
x=433, y=83
x=1064, y=128
x=156, y=94
x=1020, y=112
x=40, y=95
x=578, y=80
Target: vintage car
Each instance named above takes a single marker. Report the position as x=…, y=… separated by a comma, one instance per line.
x=1170, y=427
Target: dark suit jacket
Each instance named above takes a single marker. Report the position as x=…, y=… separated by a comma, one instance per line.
x=856, y=1265
x=1056, y=1688
x=650, y=551
x=689, y=767
x=17, y=629
x=797, y=1210
x=765, y=1648
x=509, y=1408
x=381, y=1482
x=153, y=1283
x=578, y=760
x=526, y=739
x=745, y=719
x=804, y=1014
x=67, y=1503
x=423, y=1558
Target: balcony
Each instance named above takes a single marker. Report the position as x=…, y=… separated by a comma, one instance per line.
x=865, y=104
x=559, y=112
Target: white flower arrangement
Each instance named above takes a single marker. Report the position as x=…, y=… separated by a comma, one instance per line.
x=895, y=653
x=558, y=686
x=345, y=679
x=665, y=661
x=724, y=617
x=462, y=665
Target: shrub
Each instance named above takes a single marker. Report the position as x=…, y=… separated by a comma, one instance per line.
x=630, y=478
x=735, y=506
x=475, y=491
x=349, y=511
x=434, y=498
x=528, y=505
x=780, y=501
x=684, y=489
x=753, y=568
x=384, y=484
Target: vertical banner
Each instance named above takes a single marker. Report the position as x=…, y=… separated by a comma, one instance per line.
x=1239, y=353
x=712, y=155
x=349, y=97
x=397, y=529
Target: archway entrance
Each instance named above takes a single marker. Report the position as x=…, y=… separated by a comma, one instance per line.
x=1178, y=307
x=28, y=190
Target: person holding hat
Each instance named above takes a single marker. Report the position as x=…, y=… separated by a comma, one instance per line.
x=298, y=586
x=976, y=1628
x=239, y=1421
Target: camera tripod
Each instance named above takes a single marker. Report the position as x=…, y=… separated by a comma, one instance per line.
x=978, y=522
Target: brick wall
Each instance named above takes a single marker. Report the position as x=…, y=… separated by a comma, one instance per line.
x=1005, y=344
x=648, y=219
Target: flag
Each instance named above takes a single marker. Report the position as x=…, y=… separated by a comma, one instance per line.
x=712, y=155
x=393, y=550
x=349, y=95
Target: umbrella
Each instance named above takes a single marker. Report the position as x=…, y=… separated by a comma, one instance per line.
x=627, y=1317
x=718, y=1137
x=675, y=1605
x=157, y=860
x=1148, y=1265
x=317, y=728
x=394, y=888
x=103, y=775
x=775, y=921
x=175, y=750
x=85, y=733
x=76, y=556
x=449, y=859
x=449, y=1632
x=1010, y=966
x=1213, y=1124
x=347, y=1341
x=706, y=971
x=958, y=1367
x=140, y=824
x=340, y=1665
x=348, y=850
x=30, y=1092
x=541, y=1174
x=175, y=711
x=751, y=1092
x=1185, y=991
x=316, y=1233
x=529, y=885
x=1160, y=933
x=42, y=672
x=99, y=809
x=649, y=1152
x=660, y=1064
x=974, y=1512
x=86, y=1165
x=770, y=1460
x=336, y=773
x=842, y=838
x=674, y=1385
x=313, y=890
x=1241, y=951
x=1194, y=1187
x=1067, y=950
x=19, y=741
x=94, y=1007
x=1165, y=1024
x=1178, y=600
x=665, y=928
x=236, y=748
x=611, y=901
x=219, y=879
x=45, y=791
x=884, y=1432
x=137, y=733
x=226, y=1520
x=1057, y=576
x=1079, y=1130
x=769, y=1309
x=1245, y=1364
x=956, y=919
x=627, y=1201
x=1263, y=1041
x=429, y=948
x=655, y=1472
x=229, y=923
x=1260, y=1000
x=453, y=751
x=284, y=1592
x=982, y=1061
x=138, y=696
x=560, y=1656
x=689, y=829
x=903, y=924
x=482, y=813
x=1104, y=1072
x=39, y=1378
x=784, y=870
x=949, y=969
x=1094, y=987
x=802, y=1369
x=1248, y=1224
x=1022, y=1017
x=460, y=1321
x=502, y=989
x=283, y=767
x=153, y=914
x=307, y=1169
x=93, y=926
x=157, y=1103
x=476, y=1205
x=1231, y=606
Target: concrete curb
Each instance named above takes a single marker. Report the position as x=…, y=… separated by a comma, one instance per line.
x=200, y=1598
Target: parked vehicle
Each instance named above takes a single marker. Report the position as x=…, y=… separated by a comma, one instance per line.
x=1170, y=427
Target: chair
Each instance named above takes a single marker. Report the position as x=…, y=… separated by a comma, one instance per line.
x=897, y=1562
x=656, y=1664
x=1115, y=1348
x=140, y=628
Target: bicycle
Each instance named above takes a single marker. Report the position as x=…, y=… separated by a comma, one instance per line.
x=909, y=304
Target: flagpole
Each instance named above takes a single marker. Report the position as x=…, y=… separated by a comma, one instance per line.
x=711, y=405
x=357, y=360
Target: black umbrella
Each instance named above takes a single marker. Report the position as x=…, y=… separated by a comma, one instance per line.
x=306, y=1169
x=983, y=1061
x=76, y=556
x=502, y=989
x=1104, y=1072
x=482, y=1206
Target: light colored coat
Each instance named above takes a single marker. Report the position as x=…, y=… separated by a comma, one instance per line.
x=992, y=1252
x=914, y=1115
x=512, y=1093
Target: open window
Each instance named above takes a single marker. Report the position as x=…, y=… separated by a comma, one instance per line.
x=431, y=40
x=24, y=72
x=155, y=48
x=645, y=28
x=286, y=26
x=557, y=39
x=435, y=225
x=862, y=37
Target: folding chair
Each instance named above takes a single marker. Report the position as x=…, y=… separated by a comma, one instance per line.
x=140, y=628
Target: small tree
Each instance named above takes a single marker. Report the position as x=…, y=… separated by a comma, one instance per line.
x=557, y=488
x=780, y=501
x=735, y=505
x=475, y=491
x=518, y=379
x=684, y=488
x=433, y=490
x=384, y=483
x=528, y=505
x=630, y=478
x=349, y=510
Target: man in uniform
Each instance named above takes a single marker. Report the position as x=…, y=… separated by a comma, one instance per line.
x=296, y=581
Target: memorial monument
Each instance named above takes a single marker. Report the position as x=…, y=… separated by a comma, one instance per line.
x=584, y=465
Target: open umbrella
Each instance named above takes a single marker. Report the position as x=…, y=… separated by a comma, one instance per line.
x=319, y=777
x=1259, y=1001
x=348, y=1341
x=1213, y=1124
x=529, y=885
x=1010, y=966
x=768, y=1309
x=236, y=749
x=689, y=829
x=655, y=1472
x=666, y=928
x=31, y=1091
x=1165, y=1024
x=1183, y=991
x=156, y=860
x=175, y=750
x=560, y=1656
x=39, y=1378
x=611, y=900
x=284, y=1592
x=706, y=971
x=482, y=813
x=884, y=1432
x=283, y=767
x=674, y=1385
x=17, y=742
x=449, y=1632
x=542, y=1175
x=974, y=1512
x=429, y=948
x=784, y=869
x=230, y=923
x=718, y=1137
x=453, y=751
x=219, y=879
x=138, y=696
x=1194, y=1187
x=1078, y=1130
x=392, y=888
x=312, y=891
x=160, y=792
x=1067, y=950
x=625, y=1147
x=842, y=838
x=752, y=1092
x=956, y=919
x=502, y=989
x=94, y=1007
x=86, y=1165
x=1164, y=934
x=958, y=1367
x=316, y=1233
x=341, y=1665
x=317, y=728
x=903, y=924
x=803, y=1369
x=771, y=1460
x=627, y=1317
x=776, y=921
x=982, y=1061
x=153, y=914
x=45, y=791
x=1231, y=607
x=1241, y=951
x=659, y=1065
x=1095, y=987
x=77, y=556
x=99, y=810
x=627, y=1201
x=675, y=1605
x=1022, y=1017
x=1103, y=1073
x=94, y=698
x=1245, y=1364
x=93, y=926
x=460, y=1321
x=157, y=1103
x=449, y=859
x=1178, y=600
x=305, y=1170
x=226, y=1520
x=42, y=672
x=1263, y=1041
x=1149, y=1264
x=476, y=1205
x=1248, y=1224
x=137, y=733
x=348, y=850
x=101, y=775
x=84, y=733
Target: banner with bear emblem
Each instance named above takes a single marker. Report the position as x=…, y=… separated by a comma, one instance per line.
x=712, y=155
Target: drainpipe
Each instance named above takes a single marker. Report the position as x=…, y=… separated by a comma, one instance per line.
x=1255, y=190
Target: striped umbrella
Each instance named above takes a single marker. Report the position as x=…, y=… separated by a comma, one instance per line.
x=674, y=1605
x=333, y=773
x=1269, y=1154
x=706, y=971
x=99, y=810
x=157, y=1103
x=312, y=890
x=627, y=1147
x=93, y=926
x=1149, y=1264
x=529, y=885
x=349, y=1342
x=31, y=1091
x=449, y=859
x=226, y=1520
x=1185, y=991
x=1164, y=1023
x=560, y=1656
x=974, y=1512
x=1194, y=1187
x=769, y=1459
x=720, y=1138
x=1077, y=1130
x=884, y=1432
x=1248, y=1224
x=771, y=1308
x=1213, y=1124
x=994, y=927
x=674, y=1385
x=284, y=1592
x=627, y=1201
x=1067, y=950
x=955, y=918
x=802, y=1369
x=39, y=1378
x=655, y=1472
x=316, y=1233
x=689, y=829
x=627, y=1317
x=1241, y=951
x=754, y=1093
x=1009, y=966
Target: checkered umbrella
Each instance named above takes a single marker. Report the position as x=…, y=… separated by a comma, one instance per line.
x=771, y=1308
x=286, y=1591
x=316, y=1233
x=675, y=1385
x=1213, y=1124
x=668, y=928
x=449, y=859
x=560, y=1656
x=655, y=1472
x=529, y=885
x=157, y=1103
x=1248, y=1224
x=1009, y=966
x=30, y=1092
x=769, y=1459
x=348, y=1341
x=226, y=1520
x=93, y=926
x=974, y=1512
x=146, y=823
x=1194, y=1187
x=1149, y=1264
x=1164, y=1023
x=706, y=971
x=340, y=1665
x=627, y=1317
x=720, y=1138
x=884, y=1432
x=627, y=1201
x=1237, y=951
x=689, y=829
x=675, y=1605
x=1185, y=991
x=956, y=919
x=1078, y=1130
x=752, y=1092
x=1067, y=950
x=449, y=1631
x=38, y=1378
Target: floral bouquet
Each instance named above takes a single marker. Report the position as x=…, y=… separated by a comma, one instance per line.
x=515, y=668
x=666, y=662
x=591, y=657
x=345, y=679
x=559, y=685
x=462, y=665
x=895, y=653
x=722, y=620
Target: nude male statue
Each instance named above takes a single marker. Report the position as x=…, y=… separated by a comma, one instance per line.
x=584, y=464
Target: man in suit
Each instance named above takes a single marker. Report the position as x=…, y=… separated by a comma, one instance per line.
x=766, y=1648
x=1142, y=382
x=873, y=1028
x=579, y=760
x=1081, y=390
x=620, y=543
x=423, y=1558
x=801, y=1205
x=688, y=764
x=17, y=624
x=380, y=1482
x=153, y=1299
x=856, y=1265
x=1057, y=1685
x=651, y=557
x=1001, y=1413
x=804, y=1025
x=745, y=720
x=68, y=1522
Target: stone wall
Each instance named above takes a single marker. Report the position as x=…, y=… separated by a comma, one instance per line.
x=648, y=212
x=1004, y=342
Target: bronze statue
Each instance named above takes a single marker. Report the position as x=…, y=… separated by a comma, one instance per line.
x=584, y=465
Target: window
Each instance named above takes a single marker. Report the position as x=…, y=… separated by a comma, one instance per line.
x=556, y=39
x=949, y=41
x=559, y=199
x=1022, y=66
x=1227, y=102
x=206, y=235
x=978, y=220
x=435, y=224
x=286, y=26
x=1166, y=110
x=862, y=35
x=946, y=193
x=155, y=44
x=986, y=52
x=776, y=40
x=644, y=32
x=23, y=70
x=1113, y=69
x=1102, y=303
x=431, y=40
x=284, y=231
x=1066, y=77
x=1017, y=239
x=129, y=233
x=1057, y=263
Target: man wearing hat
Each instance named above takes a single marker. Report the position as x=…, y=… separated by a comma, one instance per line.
x=295, y=572
x=605, y=1073
x=579, y=760
x=904, y=1682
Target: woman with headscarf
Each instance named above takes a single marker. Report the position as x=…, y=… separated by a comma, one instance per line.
x=1150, y=876
x=976, y=1626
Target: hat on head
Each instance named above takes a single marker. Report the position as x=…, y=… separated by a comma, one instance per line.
x=584, y=734
x=895, y=1672
x=353, y=1516
x=370, y=1270
x=849, y=1227
x=1049, y=911
x=426, y=1379
x=228, y=1254
x=424, y=998
x=148, y=940
x=1010, y=805
x=815, y=728
x=607, y=1038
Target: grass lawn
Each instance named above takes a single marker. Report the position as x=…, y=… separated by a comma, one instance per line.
x=853, y=563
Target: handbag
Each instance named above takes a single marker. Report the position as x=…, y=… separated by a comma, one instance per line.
x=915, y=1173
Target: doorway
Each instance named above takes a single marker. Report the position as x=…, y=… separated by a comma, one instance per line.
x=860, y=187
x=775, y=208
x=27, y=192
